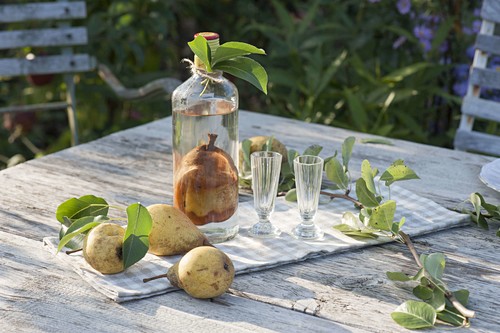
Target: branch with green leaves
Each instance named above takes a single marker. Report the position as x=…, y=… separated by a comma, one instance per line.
x=482, y=212
x=376, y=218
x=231, y=57
x=79, y=215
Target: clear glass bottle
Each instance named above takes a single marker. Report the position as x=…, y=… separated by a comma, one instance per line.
x=205, y=150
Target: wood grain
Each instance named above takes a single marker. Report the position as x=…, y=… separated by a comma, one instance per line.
x=348, y=292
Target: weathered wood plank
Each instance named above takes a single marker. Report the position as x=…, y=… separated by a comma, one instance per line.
x=486, y=43
x=34, y=107
x=481, y=108
x=43, y=37
x=53, y=64
x=485, y=77
x=477, y=141
x=490, y=10
x=42, y=11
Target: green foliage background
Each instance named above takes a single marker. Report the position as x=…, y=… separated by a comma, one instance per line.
x=331, y=62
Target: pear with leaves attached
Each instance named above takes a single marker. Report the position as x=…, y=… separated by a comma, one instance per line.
x=207, y=186
x=103, y=248
x=172, y=231
x=204, y=272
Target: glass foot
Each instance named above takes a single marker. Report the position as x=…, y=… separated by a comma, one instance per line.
x=264, y=230
x=307, y=232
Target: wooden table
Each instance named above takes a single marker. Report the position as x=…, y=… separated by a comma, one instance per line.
x=348, y=292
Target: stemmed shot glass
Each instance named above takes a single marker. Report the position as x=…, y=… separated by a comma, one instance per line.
x=308, y=175
x=266, y=167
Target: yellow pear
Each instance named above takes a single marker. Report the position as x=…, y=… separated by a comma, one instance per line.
x=258, y=143
x=103, y=248
x=172, y=231
x=203, y=272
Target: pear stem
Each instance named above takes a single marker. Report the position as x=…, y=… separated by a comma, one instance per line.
x=154, y=278
x=74, y=251
x=211, y=141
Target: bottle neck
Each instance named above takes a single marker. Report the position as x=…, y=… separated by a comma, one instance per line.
x=213, y=43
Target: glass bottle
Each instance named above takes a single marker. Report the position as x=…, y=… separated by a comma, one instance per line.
x=205, y=149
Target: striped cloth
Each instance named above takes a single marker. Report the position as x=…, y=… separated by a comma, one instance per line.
x=252, y=254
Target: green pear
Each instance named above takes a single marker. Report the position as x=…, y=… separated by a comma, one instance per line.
x=172, y=231
x=203, y=272
x=103, y=248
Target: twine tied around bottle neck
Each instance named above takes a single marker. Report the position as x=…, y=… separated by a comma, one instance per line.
x=204, y=74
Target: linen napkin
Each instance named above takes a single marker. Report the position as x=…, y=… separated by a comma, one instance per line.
x=253, y=254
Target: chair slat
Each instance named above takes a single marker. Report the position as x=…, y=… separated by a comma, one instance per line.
x=47, y=65
x=476, y=141
x=490, y=44
x=485, y=77
x=43, y=37
x=42, y=11
x=491, y=10
x=35, y=107
x=481, y=108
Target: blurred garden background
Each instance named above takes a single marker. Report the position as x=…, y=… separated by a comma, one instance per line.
x=396, y=68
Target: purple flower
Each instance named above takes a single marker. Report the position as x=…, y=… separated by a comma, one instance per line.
x=423, y=33
x=476, y=26
x=426, y=44
x=461, y=71
x=470, y=51
x=403, y=6
x=460, y=88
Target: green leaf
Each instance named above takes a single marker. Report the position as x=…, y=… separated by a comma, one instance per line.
x=437, y=301
x=201, y=49
x=366, y=197
x=462, y=295
x=490, y=208
x=246, y=149
x=422, y=292
x=434, y=265
x=452, y=317
x=77, y=224
x=87, y=205
x=377, y=141
x=69, y=236
x=335, y=173
x=401, y=73
x=292, y=154
x=291, y=195
x=398, y=276
x=313, y=150
x=367, y=173
x=383, y=216
x=136, y=239
x=353, y=232
x=357, y=109
x=397, y=172
x=347, y=146
x=246, y=69
x=414, y=315
x=232, y=50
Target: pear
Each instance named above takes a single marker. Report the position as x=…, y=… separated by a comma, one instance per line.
x=172, y=231
x=203, y=272
x=103, y=248
x=258, y=143
x=206, y=187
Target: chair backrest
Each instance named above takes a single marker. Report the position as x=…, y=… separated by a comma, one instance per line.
x=60, y=35
x=484, y=83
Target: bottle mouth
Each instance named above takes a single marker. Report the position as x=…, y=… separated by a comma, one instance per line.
x=207, y=35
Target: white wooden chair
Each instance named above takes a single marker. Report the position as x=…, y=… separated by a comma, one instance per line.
x=63, y=37
x=474, y=105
